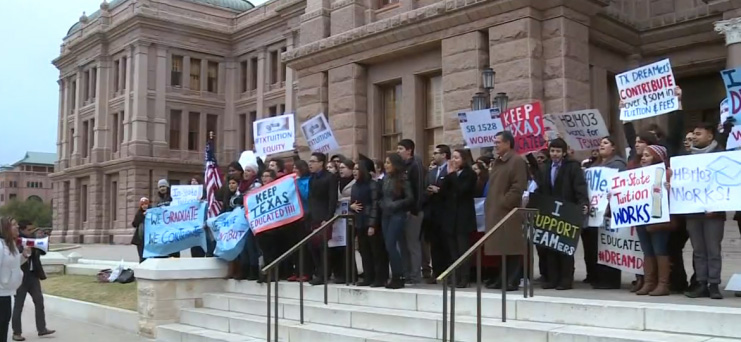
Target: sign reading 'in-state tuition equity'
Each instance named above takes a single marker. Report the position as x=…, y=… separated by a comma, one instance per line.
x=479, y=127
x=647, y=91
x=183, y=194
x=274, y=135
x=319, y=135
x=527, y=126
x=620, y=248
x=638, y=197
x=173, y=228
x=582, y=129
x=273, y=205
x=229, y=231
x=558, y=223
x=598, y=180
x=706, y=182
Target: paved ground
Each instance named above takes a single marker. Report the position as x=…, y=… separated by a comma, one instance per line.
x=72, y=331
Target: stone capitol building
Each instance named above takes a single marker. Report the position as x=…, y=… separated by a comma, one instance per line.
x=142, y=82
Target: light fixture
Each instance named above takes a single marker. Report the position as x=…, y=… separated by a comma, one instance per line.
x=479, y=101
x=501, y=101
x=487, y=77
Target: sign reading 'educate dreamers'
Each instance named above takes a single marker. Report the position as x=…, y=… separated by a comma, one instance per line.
x=620, y=249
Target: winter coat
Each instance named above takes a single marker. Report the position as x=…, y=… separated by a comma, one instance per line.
x=322, y=197
x=570, y=184
x=507, y=183
x=458, y=189
x=11, y=274
x=392, y=202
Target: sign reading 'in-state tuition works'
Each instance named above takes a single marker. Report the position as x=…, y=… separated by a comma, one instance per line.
x=274, y=135
x=706, y=182
x=647, y=91
x=171, y=229
x=273, y=205
x=638, y=197
x=558, y=223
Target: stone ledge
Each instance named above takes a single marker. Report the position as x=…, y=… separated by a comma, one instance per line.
x=92, y=313
x=181, y=268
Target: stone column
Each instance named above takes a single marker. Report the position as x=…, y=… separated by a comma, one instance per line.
x=289, y=76
x=60, y=126
x=315, y=23
x=463, y=59
x=232, y=88
x=127, y=115
x=101, y=132
x=348, y=115
x=312, y=99
x=731, y=28
x=64, y=136
x=77, y=136
x=347, y=15
x=186, y=72
x=139, y=144
x=515, y=54
x=566, y=67
x=136, y=184
x=261, y=84
x=73, y=225
x=94, y=231
x=160, y=145
x=204, y=75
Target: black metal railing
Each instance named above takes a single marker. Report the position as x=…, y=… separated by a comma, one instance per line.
x=528, y=216
x=272, y=270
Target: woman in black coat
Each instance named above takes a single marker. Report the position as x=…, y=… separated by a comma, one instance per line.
x=458, y=190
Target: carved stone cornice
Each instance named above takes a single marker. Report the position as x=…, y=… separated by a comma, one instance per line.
x=731, y=28
x=344, y=3
x=322, y=12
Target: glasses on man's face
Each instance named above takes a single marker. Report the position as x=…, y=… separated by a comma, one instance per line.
x=313, y=161
x=436, y=153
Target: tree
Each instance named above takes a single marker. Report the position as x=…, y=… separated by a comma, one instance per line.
x=37, y=212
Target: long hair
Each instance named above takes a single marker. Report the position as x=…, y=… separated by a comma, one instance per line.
x=398, y=172
x=465, y=156
x=616, y=150
x=363, y=173
x=302, y=167
x=6, y=224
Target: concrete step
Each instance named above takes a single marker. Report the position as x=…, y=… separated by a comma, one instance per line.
x=352, y=323
x=188, y=333
x=637, y=316
x=92, y=267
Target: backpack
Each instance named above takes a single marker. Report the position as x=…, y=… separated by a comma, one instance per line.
x=126, y=276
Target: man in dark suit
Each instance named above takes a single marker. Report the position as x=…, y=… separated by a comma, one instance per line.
x=562, y=178
x=433, y=209
x=322, y=205
x=33, y=274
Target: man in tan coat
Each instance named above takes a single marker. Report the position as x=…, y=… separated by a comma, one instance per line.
x=507, y=182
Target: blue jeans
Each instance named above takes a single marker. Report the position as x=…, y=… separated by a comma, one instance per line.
x=393, y=232
x=250, y=254
x=653, y=243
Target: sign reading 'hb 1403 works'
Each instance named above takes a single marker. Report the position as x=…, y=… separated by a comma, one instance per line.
x=558, y=224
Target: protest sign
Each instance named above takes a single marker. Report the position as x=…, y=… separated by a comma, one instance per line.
x=638, y=197
x=582, y=129
x=647, y=91
x=480, y=214
x=339, y=227
x=480, y=126
x=557, y=224
x=229, y=230
x=273, y=205
x=706, y=182
x=274, y=135
x=182, y=194
x=620, y=249
x=551, y=128
x=725, y=112
x=734, y=138
x=598, y=179
x=173, y=228
x=732, y=81
x=526, y=124
x=319, y=135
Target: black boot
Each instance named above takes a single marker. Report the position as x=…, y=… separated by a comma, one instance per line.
x=714, y=291
x=253, y=273
x=700, y=290
x=395, y=283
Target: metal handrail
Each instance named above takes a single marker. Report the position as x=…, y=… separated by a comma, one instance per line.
x=271, y=270
x=527, y=225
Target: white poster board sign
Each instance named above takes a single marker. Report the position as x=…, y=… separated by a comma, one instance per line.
x=182, y=194
x=638, y=197
x=339, y=227
x=706, y=182
x=480, y=214
x=598, y=180
x=620, y=249
x=480, y=126
x=647, y=91
x=319, y=135
x=582, y=129
x=274, y=135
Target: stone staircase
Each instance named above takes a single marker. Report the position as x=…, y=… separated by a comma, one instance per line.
x=361, y=314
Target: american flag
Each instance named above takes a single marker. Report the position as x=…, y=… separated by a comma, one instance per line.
x=213, y=181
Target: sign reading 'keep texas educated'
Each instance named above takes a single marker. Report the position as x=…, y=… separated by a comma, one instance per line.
x=527, y=126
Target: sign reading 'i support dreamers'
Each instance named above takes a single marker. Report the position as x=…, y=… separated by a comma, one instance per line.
x=557, y=225
x=274, y=135
x=638, y=197
x=647, y=91
x=273, y=205
x=173, y=228
x=526, y=124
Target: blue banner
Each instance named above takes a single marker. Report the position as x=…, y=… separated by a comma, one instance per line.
x=229, y=230
x=171, y=229
x=273, y=205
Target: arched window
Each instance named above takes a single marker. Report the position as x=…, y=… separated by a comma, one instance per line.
x=34, y=198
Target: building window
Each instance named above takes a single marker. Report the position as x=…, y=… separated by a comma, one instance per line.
x=243, y=76
x=73, y=100
x=83, y=202
x=384, y=3
x=242, y=131
x=114, y=133
x=212, y=125
x=272, y=111
x=2, y=197
x=195, y=74
x=194, y=124
x=86, y=85
x=213, y=77
x=124, y=61
x=176, y=71
x=252, y=119
x=283, y=67
x=391, y=107
x=116, y=67
x=253, y=73
x=93, y=81
x=174, y=122
x=273, y=67
x=281, y=109
x=114, y=201
x=12, y=197
x=91, y=139
x=85, y=129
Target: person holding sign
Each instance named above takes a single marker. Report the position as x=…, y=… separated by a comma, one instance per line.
x=138, y=224
x=706, y=230
x=562, y=178
x=654, y=238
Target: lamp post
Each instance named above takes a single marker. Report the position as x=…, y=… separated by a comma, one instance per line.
x=480, y=100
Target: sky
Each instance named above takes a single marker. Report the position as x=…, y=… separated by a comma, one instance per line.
x=32, y=33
